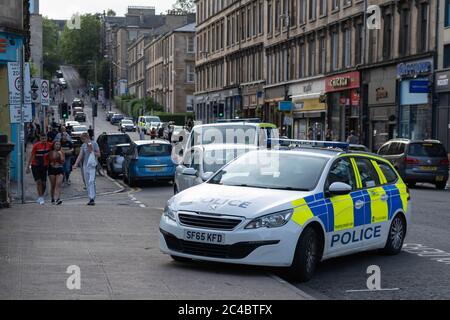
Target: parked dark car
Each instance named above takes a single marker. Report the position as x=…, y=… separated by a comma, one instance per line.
x=109, y=115
x=418, y=160
x=116, y=118
x=115, y=160
x=80, y=117
x=107, y=141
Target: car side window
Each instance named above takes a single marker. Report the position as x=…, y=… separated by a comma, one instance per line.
x=384, y=150
x=395, y=149
x=196, y=161
x=389, y=173
x=341, y=171
x=401, y=148
x=369, y=176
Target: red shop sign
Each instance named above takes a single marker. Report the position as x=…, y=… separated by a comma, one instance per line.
x=344, y=81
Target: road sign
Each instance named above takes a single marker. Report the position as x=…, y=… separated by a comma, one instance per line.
x=14, y=83
x=45, y=92
x=27, y=108
x=36, y=90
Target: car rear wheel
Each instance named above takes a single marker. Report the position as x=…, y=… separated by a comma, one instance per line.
x=396, y=236
x=441, y=185
x=307, y=256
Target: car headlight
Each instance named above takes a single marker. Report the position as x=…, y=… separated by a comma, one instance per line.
x=169, y=213
x=273, y=220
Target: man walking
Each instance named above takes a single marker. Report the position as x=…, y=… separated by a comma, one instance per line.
x=38, y=165
x=352, y=138
x=89, y=153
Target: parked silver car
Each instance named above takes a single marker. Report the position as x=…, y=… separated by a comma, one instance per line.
x=200, y=162
x=115, y=160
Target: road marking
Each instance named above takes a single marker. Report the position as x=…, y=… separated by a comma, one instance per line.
x=301, y=293
x=427, y=252
x=373, y=290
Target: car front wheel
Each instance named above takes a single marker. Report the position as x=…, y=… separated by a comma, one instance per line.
x=307, y=256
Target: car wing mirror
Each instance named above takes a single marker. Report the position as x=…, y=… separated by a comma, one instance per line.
x=207, y=175
x=189, y=172
x=339, y=189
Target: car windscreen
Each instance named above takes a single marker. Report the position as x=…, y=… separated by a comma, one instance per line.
x=118, y=139
x=79, y=129
x=155, y=150
x=272, y=170
x=127, y=122
x=152, y=119
x=213, y=160
x=224, y=135
x=432, y=150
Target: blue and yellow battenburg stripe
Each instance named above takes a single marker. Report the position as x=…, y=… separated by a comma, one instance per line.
x=340, y=212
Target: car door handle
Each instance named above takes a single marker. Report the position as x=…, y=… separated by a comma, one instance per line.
x=384, y=197
x=359, y=204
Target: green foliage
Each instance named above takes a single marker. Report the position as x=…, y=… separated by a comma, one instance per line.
x=187, y=6
x=50, y=47
x=79, y=46
x=111, y=13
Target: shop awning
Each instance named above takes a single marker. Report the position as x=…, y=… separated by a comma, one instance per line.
x=306, y=96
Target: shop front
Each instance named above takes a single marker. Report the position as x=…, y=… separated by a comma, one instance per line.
x=309, y=112
x=343, y=104
x=253, y=100
x=415, y=114
x=442, y=90
x=382, y=84
x=270, y=112
x=211, y=106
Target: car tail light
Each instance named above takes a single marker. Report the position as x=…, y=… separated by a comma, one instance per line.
x=409, y=160
x=444, y=162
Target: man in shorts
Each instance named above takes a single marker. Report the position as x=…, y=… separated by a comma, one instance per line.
x=38, y=165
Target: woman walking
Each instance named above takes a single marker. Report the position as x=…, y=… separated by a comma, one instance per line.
x=56, y=171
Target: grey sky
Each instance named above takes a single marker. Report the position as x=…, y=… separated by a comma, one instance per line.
x=64, y=9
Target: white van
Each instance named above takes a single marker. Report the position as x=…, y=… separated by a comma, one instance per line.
x=145, y=123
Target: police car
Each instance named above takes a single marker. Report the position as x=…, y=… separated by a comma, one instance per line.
x=290, y=208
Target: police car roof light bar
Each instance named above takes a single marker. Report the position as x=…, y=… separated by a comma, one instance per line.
x=314, y=144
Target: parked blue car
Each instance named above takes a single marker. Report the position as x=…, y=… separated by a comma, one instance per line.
x=148, y=160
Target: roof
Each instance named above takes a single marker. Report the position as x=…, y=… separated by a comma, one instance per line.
x=146, y=142
x=186, y=28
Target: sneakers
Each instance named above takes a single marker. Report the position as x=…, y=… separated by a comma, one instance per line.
x=91, y=202
x=40, y=201
x=53, y=201
x=58, y=202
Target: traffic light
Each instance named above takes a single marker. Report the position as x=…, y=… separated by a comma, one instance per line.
x=221, y=111
x=64, y=110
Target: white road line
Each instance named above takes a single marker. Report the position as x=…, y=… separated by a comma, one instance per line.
x=292, y=287
x=369, y=290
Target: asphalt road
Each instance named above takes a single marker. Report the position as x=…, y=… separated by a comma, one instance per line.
x=421, y=271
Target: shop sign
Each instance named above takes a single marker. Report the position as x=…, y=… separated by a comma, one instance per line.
x=412, y=98
x=442, y=83
x=381, y=93
x=285, y=106
x=419, y=86
x=411, y=69
x=344, y=81
x=354, y=98
x=307, y=88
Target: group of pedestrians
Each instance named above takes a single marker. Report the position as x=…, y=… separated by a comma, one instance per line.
x=52, y=157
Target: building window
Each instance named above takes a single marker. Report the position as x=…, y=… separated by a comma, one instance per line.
x=301, y=63
x=254, y=16
x=190, y=73
x=243, y=24
x=404, y=32
x=190, y=44
x=335, y=5
x=334, y=50
x=277, y=15
x=312, y=58
x=302, y=11
x=249, y=21
x=346, y=59
x=269, y=18
x=323, y=7
x=261, y=17
x=347, y=2
x=387, y=36
x=359, y=43
x=447, y=56
x=423, y=28
x=312, y=9
x=293, y=13
x=323, y=54
x=447, y=13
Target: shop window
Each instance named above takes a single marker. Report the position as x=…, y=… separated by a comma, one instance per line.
x=447, y=56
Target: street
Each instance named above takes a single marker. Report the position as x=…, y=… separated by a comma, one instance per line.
x=115, y=245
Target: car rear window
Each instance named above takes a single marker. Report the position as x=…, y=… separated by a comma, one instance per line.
x=118, y=139
x=432, y=150
x=155, y=150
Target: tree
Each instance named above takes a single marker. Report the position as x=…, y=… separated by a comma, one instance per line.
x=111, y=13
x=187, y=6
x=50, y=47
x=78, y=46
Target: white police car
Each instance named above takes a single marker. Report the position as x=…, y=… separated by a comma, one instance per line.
x=289, y=209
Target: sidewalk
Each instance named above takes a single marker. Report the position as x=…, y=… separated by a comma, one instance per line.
x=104, y=185
x=117, y=251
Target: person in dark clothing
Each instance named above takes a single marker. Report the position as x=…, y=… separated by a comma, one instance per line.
x=153, y=134
x=51, y=135
x=91, y=133
x=161, y=132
